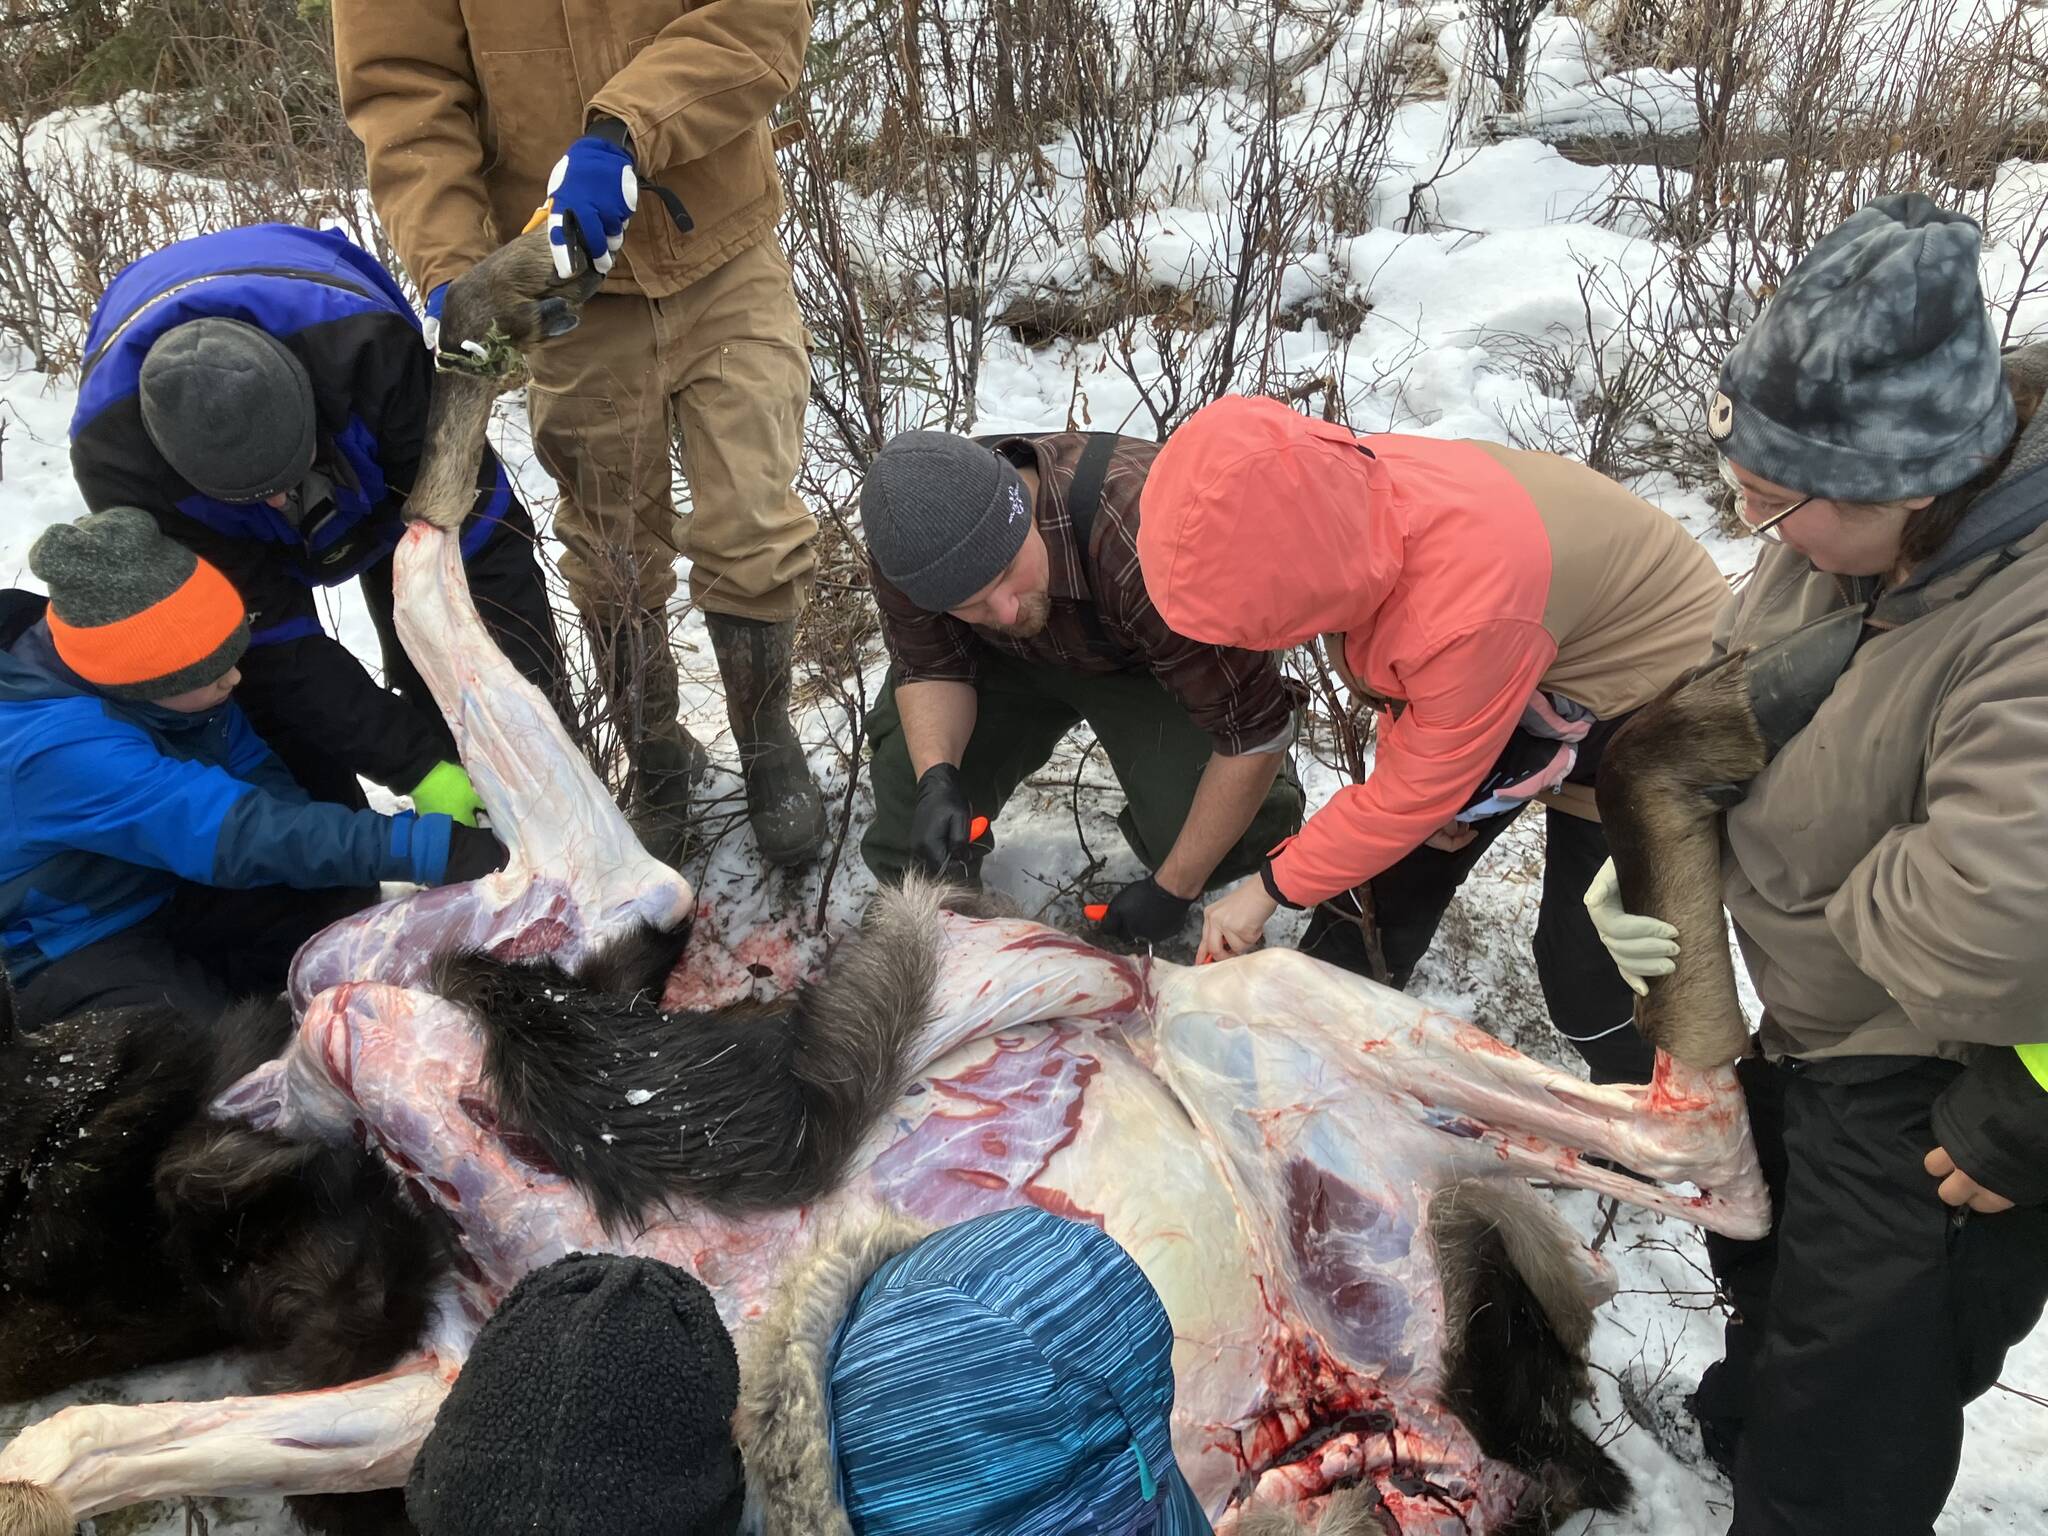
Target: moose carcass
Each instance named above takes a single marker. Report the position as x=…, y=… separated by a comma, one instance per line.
x=1323, y=1178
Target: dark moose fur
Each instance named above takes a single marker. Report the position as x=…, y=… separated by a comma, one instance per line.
x=136, y=1228
x=747, y=1107
x=1516, y=1328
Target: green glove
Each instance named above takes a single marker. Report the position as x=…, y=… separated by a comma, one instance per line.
x=446, y=791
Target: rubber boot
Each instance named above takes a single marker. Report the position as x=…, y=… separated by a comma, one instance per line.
x=665, y=765
x=643, y=696
x=783, y=803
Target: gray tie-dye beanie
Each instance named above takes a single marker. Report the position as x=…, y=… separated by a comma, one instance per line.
x=1874, y=374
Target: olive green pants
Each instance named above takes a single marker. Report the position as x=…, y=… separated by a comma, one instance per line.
x=1025, y=708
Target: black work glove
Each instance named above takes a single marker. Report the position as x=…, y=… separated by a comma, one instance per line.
x=942, y=822
x=1145, y=909
x=472, y=854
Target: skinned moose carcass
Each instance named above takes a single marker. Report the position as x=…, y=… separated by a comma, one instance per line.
x=1325, y=1180
x=1315, y=1172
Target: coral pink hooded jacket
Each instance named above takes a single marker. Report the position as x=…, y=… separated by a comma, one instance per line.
x=1463, y=576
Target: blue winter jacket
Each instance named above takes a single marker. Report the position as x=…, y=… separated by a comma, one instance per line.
x=109, y=804
x=347, y=321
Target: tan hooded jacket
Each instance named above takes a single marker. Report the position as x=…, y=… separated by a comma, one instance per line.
x=464, y=106
x=1888, y=872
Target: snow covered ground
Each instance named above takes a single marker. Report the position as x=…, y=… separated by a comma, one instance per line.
x=1511, y=226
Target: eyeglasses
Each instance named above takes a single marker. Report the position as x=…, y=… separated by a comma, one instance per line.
x=1764, y=526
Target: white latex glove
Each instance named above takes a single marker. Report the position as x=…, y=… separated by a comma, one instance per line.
x=1639, y=946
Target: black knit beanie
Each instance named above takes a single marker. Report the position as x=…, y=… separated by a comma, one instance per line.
x=230, y=408
x=598, y=1401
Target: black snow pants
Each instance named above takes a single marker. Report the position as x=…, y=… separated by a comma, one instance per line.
x=1869, y=1316
x=202, y=951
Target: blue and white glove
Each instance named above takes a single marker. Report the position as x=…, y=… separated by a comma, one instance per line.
x=430, y=327
x=594, y=191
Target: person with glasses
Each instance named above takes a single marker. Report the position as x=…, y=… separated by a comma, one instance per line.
x=1888, y=879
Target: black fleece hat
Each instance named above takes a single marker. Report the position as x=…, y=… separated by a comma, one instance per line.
x=230, y=407
x=598, y=1401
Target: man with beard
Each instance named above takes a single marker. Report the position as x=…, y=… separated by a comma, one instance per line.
x=1006, y=570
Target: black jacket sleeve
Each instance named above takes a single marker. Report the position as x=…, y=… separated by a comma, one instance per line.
x=1993, y=1121
x=314, y=703
x=311, y=699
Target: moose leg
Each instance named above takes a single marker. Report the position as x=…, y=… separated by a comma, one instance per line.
x=87, y=1460
x=1489, y=1107
x=578, y=879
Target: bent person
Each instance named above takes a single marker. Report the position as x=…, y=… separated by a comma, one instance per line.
x=1012, y=608
x=1504, y=610
x=262, y=393
x=152, y=848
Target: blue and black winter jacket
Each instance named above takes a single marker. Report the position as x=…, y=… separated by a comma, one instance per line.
x=108, y=804
x=348, y=322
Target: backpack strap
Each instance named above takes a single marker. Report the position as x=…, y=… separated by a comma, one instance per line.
x=1084, y=499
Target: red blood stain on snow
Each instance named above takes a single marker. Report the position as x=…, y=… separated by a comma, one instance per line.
x=719, y=967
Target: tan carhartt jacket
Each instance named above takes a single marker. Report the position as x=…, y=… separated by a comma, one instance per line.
x=464, y=106
x=1888, y=872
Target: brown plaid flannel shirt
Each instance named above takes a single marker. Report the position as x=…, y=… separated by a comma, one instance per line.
x=1239, y=697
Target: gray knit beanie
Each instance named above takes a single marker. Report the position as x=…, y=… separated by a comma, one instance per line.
x=230, y=407
x=135, y=614
x=943, y=515
x=1874, y=374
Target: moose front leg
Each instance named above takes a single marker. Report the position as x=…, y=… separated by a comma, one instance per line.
x=87, y=1460
x=578, y=879
x=1493, y=1107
